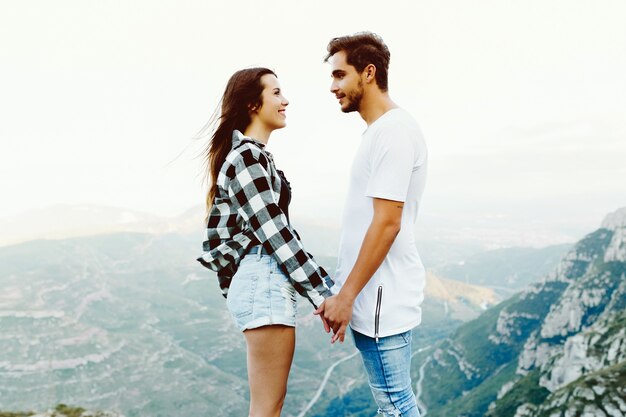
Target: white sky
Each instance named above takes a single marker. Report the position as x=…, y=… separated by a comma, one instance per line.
x=523, y=104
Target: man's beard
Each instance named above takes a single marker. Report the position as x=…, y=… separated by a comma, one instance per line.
x=354, y=99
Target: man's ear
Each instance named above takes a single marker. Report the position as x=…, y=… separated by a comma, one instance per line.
x=370, y=73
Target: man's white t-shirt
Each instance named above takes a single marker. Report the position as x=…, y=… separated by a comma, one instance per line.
x=390, y=164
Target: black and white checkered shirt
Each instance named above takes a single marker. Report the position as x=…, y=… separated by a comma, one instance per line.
x=246, y=213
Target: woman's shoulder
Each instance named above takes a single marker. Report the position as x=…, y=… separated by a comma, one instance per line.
x=246, y=154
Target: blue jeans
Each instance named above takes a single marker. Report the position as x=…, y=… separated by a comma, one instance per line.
x=388, y=366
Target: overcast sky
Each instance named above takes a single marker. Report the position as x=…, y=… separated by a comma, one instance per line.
x=523, y=104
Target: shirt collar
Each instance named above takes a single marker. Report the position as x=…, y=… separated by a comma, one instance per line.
x=238, y=137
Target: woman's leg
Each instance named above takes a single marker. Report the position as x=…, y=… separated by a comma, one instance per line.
x=270, y=353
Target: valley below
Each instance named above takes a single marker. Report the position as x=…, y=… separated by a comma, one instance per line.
x=130, y=324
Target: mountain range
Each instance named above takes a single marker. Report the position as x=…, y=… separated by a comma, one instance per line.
x=506, y=270
x=558, y=348
x=130, y=322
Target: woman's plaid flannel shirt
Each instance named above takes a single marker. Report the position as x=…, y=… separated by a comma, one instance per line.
x=246, y=213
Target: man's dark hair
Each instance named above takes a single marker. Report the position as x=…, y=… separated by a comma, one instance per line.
x=362, y=49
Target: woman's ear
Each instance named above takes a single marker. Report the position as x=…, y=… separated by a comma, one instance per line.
x=253, y=107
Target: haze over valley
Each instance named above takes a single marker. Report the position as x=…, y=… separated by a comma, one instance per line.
x=128, y=321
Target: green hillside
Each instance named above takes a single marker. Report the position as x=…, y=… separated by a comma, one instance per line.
x=522, y=355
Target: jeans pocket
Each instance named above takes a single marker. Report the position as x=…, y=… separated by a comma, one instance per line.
x=284, y=288
x=406, y=336
x=240, y=299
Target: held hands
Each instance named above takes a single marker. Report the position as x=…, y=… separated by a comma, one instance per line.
x=335, y=313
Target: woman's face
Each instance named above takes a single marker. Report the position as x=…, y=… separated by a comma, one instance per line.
x=272, y=111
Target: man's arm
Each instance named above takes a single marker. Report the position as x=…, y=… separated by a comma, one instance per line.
x=380, y=235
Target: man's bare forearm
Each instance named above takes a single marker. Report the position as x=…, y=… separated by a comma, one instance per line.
x=376, y=244
x=380, y=235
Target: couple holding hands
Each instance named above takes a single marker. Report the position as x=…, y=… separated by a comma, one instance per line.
x=260, y=260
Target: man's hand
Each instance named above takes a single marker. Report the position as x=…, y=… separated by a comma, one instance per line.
x=337, y=310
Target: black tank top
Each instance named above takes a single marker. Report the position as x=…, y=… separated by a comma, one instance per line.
x=285, y=194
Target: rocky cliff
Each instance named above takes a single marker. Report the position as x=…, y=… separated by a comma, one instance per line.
x=556, y=349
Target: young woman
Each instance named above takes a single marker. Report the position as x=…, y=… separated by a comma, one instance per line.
x=259, y=259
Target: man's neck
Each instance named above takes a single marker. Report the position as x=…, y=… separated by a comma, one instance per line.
x=374, y=104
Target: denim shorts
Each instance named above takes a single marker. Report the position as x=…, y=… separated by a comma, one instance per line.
x=260, y=294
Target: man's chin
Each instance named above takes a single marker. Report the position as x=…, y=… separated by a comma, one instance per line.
x=349, y=109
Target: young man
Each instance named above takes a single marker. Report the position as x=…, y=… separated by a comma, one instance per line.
x=380, y=277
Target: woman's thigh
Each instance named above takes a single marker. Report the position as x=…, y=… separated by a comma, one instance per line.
x=270, y=353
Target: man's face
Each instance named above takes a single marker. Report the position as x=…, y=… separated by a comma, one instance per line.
x=347, y=85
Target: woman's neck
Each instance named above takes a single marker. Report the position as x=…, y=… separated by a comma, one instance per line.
x=259, y=132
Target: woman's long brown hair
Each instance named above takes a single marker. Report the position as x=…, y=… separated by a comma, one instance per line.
x=243, y=92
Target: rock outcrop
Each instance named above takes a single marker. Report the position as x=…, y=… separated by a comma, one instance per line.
x=557, y=349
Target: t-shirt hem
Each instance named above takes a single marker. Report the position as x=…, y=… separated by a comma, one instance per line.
x=386, y=196
x=392, y=332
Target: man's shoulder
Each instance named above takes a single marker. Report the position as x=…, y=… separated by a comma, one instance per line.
x=396, y=120
x=401, y=118
x=398, y=127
